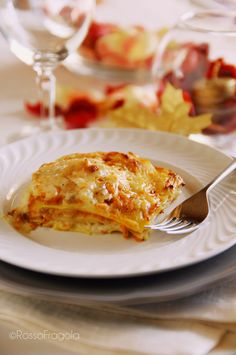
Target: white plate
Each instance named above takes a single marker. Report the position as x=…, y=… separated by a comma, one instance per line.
x=112, y=11
x=76, y=254
x=83, y=66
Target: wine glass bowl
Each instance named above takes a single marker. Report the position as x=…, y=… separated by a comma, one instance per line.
x=42, y=34
x=196, y=55
x=44, y=27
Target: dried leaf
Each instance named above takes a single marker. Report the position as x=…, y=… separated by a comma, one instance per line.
x=173, y=115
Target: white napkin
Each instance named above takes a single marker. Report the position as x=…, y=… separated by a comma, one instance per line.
x=201, y=324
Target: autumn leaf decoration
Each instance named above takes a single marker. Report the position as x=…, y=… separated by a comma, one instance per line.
x=172, y=115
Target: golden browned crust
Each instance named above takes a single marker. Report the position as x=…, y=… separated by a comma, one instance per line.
x=115, y=191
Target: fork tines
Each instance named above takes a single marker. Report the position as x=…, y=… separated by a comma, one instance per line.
x=174, y=226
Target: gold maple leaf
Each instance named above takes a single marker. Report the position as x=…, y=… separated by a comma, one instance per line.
x=173, y=115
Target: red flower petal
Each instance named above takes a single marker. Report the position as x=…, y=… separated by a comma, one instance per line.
x=80, y=113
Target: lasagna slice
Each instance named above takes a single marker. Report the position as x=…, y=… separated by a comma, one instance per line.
x=97, y=193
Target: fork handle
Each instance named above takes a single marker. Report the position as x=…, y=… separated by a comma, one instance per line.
x=230, y=168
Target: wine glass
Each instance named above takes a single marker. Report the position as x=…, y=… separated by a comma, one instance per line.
x=42, y=33
x=197, y=56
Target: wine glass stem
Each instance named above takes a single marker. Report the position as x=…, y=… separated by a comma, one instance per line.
x=46, y=83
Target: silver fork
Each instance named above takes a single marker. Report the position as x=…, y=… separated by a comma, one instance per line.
x=191, y=213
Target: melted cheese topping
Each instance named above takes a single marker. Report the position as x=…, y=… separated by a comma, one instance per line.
x=114, y=190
